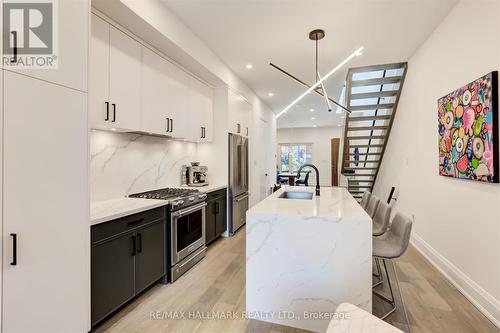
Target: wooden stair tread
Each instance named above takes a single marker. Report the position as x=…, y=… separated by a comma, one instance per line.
x=376, y=82
x=367, y=118
x=371, y=107
x=367, y=128
x=375, y=94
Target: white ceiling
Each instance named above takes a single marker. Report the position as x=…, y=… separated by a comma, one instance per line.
x=262, y=31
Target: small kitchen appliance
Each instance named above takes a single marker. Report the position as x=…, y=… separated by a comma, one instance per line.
x=197, y=175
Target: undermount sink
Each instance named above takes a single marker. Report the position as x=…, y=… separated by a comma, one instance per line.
x=297, y=195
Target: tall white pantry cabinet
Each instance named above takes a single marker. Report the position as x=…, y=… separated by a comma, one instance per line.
x=45, y=188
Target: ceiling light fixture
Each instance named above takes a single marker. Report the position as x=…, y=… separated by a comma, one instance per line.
x=356, y=53
x=271, y=94
x=312, y=118
x=248, y=66
x=311, y=110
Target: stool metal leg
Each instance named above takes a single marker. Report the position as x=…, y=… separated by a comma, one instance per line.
x=378, y=274
x=384, y=298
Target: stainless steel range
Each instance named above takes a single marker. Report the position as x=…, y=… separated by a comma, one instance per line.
x=185, y=229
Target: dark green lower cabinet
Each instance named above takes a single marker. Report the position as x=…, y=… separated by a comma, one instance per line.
x=128, y=255
x=216, y=216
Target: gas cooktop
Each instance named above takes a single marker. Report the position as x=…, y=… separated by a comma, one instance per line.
x=177, y=197
x=165, y=193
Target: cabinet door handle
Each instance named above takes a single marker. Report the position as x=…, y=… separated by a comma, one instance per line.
x=238, y=128
x=133, y=252
x=139, y=243
x=247, y=131
x=107, y=111
x=13, y=60
x=171, y=125
x=201, y=132
x=114, y=113
x=14, y=249
x=167, y=125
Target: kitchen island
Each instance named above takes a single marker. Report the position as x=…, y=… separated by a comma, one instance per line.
x=305, y=255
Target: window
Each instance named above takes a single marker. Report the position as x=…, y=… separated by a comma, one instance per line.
x=293, y=155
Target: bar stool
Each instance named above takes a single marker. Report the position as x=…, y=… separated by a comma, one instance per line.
x=381, y=219
x=365, y=199
x=380, y=224
x=371, y=209
x=392, y=244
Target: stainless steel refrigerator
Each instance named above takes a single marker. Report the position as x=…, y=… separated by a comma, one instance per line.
x=238, y=182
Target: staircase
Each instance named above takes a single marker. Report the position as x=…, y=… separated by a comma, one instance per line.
x=372, y=94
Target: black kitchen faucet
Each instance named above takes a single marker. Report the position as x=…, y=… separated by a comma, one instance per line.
x=317, y=174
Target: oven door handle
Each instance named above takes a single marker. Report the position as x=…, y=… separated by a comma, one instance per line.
x=186, y=211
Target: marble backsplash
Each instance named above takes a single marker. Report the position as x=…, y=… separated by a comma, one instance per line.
x=124, y=163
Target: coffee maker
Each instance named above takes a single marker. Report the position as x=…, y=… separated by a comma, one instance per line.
x=197, y=174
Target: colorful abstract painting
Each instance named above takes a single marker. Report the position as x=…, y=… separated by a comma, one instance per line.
x=468, y=131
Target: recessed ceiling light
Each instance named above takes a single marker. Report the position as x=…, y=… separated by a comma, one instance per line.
x=315, y=125
x=312, y=118
x=311, y=110
x=271, y=94
x=113, y=129
x=248, y=66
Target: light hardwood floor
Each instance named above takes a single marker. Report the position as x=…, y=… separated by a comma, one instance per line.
x=217, y=283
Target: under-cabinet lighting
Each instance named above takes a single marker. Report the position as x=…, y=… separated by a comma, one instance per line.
x=356, y=53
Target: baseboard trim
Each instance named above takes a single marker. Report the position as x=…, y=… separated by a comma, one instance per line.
x=480, y=298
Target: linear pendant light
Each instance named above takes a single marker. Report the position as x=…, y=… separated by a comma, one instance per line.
x=356, y=53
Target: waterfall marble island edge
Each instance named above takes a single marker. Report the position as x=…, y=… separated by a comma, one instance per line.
x=304, y=257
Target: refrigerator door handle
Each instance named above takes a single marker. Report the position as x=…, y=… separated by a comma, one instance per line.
x=242, y=197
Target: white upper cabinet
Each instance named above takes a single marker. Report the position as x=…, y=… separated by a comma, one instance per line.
x=200, y=110
x=124, y=80
x=99, y=73
x=72, y=28
x=154, y=116
x=135, y=89
x=115, y=78
x=178, y=94
x=239, y=113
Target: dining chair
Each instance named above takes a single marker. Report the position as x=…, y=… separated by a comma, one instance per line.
x=304, y=181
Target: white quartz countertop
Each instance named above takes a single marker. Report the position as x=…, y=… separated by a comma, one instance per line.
x=333, y=203
x=103, y=211
x=208, y=188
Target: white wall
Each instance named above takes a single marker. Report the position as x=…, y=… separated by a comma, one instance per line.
x=320, y=137
x=457, y=222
